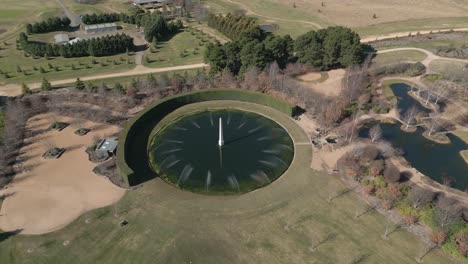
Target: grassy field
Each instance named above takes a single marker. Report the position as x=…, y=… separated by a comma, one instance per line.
x=399, y=56
x=446, y=67
x=289, y=221
x=186, y=47
x=391, y=16
x=100, y=7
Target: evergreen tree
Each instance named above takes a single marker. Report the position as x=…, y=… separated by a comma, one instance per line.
x=46, y=86
x=79, y=84
x=25, y=89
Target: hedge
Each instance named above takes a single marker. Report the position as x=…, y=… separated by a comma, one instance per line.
x=132, y=160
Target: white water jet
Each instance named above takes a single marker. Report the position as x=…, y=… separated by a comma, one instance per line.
x=181, y=128
x=173, y=141
x=211, y=119
x=172, y=163
x=229, y=118
x=170, y=151
x=208, y=180
x=268, y=163
x=221, y=135
x=254, y=130
x=185, y=174
x=195, y=124
x=264, y=138
x=260, y=177
x=272, y=151
x=241, y=125
x=232, y=180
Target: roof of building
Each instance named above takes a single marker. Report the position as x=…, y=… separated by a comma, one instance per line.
x=59, y=38
x=105, y=25
x=73, y=41
x=107, y=144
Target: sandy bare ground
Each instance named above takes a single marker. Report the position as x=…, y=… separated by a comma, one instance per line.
x=331, y=86
x=53, y=193
x=310, y=77
x=15, y=89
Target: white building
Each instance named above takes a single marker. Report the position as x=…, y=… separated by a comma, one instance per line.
x=99, y=28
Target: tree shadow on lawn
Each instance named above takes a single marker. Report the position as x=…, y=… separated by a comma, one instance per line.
x=6, y=235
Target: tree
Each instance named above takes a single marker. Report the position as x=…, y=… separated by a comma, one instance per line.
x=25, y=89
x=410, y=116
x=79, y=84
x=419, y=196
x=375, y=133
x=391, y=173
x=461, y=239
x=45, y=85
x=434, y=124
x=155, y=42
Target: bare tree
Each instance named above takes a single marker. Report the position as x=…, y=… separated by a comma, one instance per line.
x=375, y=133
x=419, y=196
x=435, y=124
x=352, y=128
x=409, y=116
x=440, y=91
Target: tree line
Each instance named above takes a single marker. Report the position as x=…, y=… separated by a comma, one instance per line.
x=101, y=46
x=48, y=25
x=232, y=26
x=334, y=47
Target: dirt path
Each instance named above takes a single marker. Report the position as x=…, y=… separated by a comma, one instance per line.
x=251, y=12
x=405, y=34
x=430, y=56
x=75, y=18
x=51, y=193
x=15, y=89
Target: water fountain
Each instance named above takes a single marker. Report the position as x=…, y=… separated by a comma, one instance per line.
x=251, y=151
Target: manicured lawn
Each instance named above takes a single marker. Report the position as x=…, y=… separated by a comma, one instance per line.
x=285, y=222
x=399, y=56
x=183, y=48
x=446, y=67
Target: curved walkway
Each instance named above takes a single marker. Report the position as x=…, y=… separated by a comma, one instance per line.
x=430, y=56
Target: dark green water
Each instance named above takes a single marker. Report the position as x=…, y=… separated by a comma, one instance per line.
x=405, y=101
x=432, y=159
x=256, y=152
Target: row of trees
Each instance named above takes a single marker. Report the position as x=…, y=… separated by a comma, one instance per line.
x=232, y=26
x=334, y=47
x=90, y=19
x=252, y=49
x=48, y=25
x=101, y=46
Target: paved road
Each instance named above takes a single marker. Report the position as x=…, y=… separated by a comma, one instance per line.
x=430, y=56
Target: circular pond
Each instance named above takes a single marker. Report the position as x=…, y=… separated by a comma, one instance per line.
x=256, y=151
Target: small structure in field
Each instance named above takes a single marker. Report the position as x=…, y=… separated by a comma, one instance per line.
x=53, y=153
x=58, y=126
x=107, y=145
x=61, y=38
x=144, y=2
x=82, y=131
x=99, y=28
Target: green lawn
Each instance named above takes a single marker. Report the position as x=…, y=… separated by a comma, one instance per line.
x=446, y=67
x=399, y=56
x=183, y=48
x=282, y=223
x=10, y=59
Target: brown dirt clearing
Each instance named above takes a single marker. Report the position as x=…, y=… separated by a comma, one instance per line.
x=54, y=192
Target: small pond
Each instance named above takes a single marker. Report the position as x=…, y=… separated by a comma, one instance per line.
x=437, y=161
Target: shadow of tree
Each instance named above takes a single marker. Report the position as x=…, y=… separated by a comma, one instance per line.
x=6, y=235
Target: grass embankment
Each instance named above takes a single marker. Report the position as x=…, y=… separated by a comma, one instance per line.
x=447, y=68
x=464, y=136
x=399, y=56
x=282, y=223
x=187, y=47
